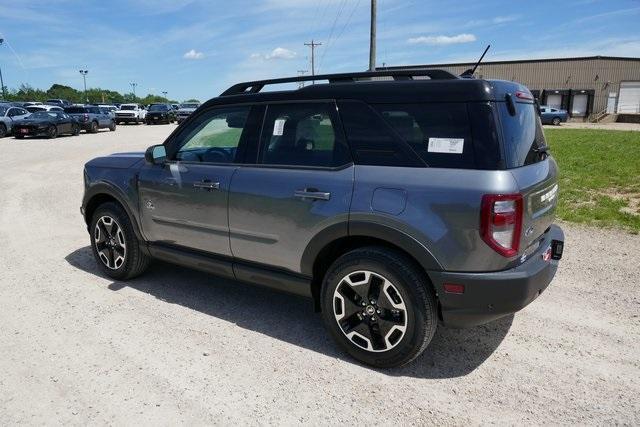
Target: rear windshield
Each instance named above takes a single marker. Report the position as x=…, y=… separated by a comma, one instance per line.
x=158, y=108
x=75, y=110
x=522, y=133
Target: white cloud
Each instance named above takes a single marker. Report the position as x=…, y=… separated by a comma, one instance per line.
x=277, y=53
x=443, y=40
x=281, y=53
x=193, y=54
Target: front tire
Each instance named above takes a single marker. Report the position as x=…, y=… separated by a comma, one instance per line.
x=94, y=127
x=112, y=126
x=556, y=121
x=75, y=130
x=3, y=130
x=379, y=306
x=115, y=246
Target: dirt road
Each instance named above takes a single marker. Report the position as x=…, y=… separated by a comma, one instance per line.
x=181, y=347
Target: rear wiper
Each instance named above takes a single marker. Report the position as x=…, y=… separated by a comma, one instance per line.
x=542, y=149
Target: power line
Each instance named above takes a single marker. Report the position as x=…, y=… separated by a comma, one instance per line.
x=333, y=27
x=344, y=27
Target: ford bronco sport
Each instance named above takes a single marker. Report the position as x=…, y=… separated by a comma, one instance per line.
x=394, y=202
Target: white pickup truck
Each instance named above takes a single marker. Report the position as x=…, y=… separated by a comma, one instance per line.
x=131, y=113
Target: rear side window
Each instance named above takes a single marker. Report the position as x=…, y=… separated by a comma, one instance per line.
x=302, y=134
x=522, y=134
x=372, y=141
x=440, y=133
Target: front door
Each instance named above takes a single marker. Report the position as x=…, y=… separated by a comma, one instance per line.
x=300, y=183
x=184, y=201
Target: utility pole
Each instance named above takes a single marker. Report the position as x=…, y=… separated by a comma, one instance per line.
x=133, y=87
x=164, y=93
x=372, y=36
x=4, y=94
x=313, y=46
x=84, y=79
x=301, y=73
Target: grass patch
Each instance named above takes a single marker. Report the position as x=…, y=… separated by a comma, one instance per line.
x=599, y=176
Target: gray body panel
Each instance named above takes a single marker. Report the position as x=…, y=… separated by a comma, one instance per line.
x=270, y=225
x=174, y=210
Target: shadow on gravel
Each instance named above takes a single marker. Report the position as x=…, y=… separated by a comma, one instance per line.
x=452, y=352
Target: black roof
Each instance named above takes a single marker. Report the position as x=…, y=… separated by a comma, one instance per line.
x=440, y=87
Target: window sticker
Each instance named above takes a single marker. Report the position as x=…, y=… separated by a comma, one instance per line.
x=278, y=127
x=446, y=145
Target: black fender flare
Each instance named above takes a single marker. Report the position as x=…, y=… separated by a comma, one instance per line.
x=378, y=231
x=106, y=188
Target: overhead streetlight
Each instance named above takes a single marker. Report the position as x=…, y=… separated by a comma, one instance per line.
x=4, y=95
x=164, y=93
x=133, y=87
x=84, y=79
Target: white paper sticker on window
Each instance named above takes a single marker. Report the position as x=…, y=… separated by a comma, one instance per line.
x=278, y=127
x=446, y=145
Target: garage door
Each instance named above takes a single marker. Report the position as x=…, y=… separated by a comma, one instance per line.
x=629, y=98
x=554, y=101
x=579, y=108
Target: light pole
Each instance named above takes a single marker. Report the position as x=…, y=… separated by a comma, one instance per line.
x=4, y=95
x=84, y=79
x=164, y=93
x=133, y=87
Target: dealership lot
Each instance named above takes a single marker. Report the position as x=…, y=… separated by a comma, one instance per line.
x=177, y=346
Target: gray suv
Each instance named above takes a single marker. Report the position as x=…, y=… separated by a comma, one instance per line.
x=396, y=203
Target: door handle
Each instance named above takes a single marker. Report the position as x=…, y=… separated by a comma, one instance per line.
x=207, y=185
x=312, y=193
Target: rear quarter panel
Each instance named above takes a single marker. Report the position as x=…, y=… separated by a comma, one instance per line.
x=441, y=210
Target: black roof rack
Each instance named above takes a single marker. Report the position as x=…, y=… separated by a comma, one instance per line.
x=256, y=86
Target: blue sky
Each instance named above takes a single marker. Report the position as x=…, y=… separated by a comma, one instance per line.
x=196, y=48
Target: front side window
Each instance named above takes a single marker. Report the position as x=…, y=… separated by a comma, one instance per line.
x=214, y=136
x=302, y=134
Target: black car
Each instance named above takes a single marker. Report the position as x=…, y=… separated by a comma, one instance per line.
x=161, y=113
x=46, y=123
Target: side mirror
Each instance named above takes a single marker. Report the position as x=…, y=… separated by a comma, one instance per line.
x=156, y=154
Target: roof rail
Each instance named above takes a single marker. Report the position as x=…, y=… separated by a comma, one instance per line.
x=256, y=86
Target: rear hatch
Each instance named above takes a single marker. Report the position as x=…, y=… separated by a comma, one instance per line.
x=530, y=163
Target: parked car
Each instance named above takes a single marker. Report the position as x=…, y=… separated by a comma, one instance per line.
x=185, y=110
x=553, y=116
x=393, y=204
x=108, y=109
x=59, y=102
x=161, y=113
x=131, y=113
x=8, y=116
x=91, y=118
x=30, y=103
x=46, y=123
x=34, y=108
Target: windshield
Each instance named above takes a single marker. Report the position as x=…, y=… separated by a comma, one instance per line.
x=128, y=107
x=42, y=115
x=158, y=107
x=189, y=105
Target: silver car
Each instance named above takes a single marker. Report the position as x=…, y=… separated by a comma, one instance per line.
x=8, y=115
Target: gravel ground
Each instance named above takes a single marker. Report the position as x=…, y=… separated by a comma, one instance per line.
x=181, y=347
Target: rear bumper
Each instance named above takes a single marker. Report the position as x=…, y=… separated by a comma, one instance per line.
x=489, y=296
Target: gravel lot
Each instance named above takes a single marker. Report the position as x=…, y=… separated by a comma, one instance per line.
x=181, y=347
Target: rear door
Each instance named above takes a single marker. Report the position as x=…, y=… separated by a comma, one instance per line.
x=535, y=172
x=184, y=202
x=301, y=182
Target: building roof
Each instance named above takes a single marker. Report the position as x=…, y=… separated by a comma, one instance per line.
x=515, y=61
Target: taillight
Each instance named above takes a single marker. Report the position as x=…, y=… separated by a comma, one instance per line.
x=85, y=117
x=501, y=222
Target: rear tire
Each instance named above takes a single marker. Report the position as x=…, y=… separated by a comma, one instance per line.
x=112, y=126
x=3, y=130
x=379, y=306
x=115, y=246
x=556, y=121
x=94, y=127
x=19, y=136
x=52, y=132
x=75, y=131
